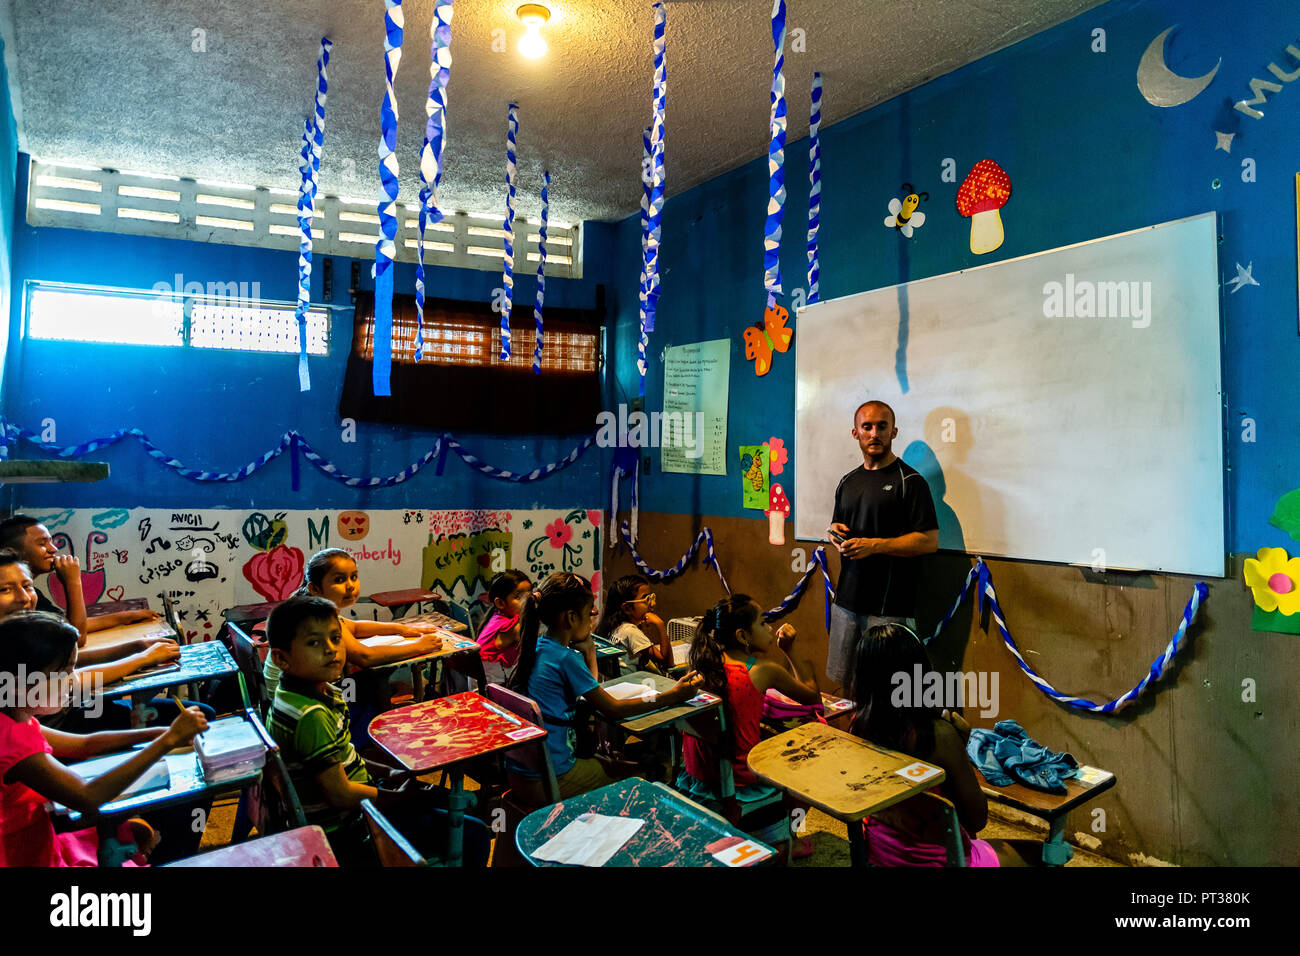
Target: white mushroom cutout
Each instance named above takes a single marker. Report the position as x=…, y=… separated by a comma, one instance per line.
x=778, y=510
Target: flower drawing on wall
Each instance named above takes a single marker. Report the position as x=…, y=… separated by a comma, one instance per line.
x=1274, y=580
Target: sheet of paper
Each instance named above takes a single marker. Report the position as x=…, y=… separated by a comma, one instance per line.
x=590, y=840
x=629, y=691
x=383, y=640
x=681, y=653
x=693, y=429
x=157, y=777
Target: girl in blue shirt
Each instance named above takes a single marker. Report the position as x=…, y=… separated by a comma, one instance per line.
x=555, y=675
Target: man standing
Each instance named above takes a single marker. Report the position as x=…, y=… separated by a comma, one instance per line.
x=884, y=519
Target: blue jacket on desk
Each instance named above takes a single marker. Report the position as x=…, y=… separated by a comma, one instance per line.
x=1006, y=755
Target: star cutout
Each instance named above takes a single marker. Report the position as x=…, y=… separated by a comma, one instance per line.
x=1243, y=278
x=1225, y=141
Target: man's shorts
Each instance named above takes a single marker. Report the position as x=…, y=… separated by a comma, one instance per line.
x=846, y=629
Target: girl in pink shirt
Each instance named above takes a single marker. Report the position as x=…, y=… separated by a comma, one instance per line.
x=37, y=653
x=498, y=638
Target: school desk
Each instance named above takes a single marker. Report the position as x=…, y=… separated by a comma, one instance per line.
x=443, y=734
x=116, y=607
x=187, y=784
x=437, y=620
x=249, y=614
x=1052, y=807
x=609, y=657
x=676, y=718
x=452, y=644
x=158, y=630
x=399, y=602
x=841, y=774
x=199, y=662
x=677, y=830
x=305, y=846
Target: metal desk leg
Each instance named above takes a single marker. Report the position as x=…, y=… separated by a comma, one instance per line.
x=457, y=802
x=857, y=844
x=1056, y=852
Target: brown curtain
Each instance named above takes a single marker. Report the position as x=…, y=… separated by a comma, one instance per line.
x=461, y=384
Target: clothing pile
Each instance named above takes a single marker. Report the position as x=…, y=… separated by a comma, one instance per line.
x=1006, y=754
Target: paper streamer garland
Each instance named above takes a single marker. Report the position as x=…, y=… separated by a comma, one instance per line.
x=386, y=247
x=980, y=577
x=792, y=599
x=541, y=271
x=435, y=107
x=815, y=188
x=654, y=214
x=11, y=433
x=775, y=163
x=313, y=141
x=508, y=279
x=646, y=166
x=705, y=537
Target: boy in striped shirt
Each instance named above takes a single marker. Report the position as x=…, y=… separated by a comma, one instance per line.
x=309, y=720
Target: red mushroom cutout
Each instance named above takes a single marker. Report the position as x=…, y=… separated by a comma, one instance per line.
x=985, y=191
x=778, y=510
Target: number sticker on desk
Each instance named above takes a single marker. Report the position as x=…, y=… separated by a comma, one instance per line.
x=743, y=853
x=917, y=772
x=523, y=733
x=703, y=698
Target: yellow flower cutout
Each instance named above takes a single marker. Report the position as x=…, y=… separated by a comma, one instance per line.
x=1274, y=580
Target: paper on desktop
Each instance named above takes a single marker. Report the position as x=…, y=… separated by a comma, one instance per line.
x=590, y=840
x=626, y=690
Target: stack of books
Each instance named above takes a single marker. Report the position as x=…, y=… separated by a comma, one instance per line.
x=229, y=749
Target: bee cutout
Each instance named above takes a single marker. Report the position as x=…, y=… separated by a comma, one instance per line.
x=763, y=337
x=903, y=214
x=752, y=466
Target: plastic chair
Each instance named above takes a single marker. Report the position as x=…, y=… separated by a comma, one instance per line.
x=392, y=848
x=244, y=651
x=535, y=759
x=273, y=804
x=952, y=843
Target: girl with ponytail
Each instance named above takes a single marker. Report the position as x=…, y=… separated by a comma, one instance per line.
x=740, y=658
x=555, y=675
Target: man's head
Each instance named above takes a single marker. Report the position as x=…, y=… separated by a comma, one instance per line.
x=31, y=539
x=17, y=593
x=873, y=427
x=306, y=639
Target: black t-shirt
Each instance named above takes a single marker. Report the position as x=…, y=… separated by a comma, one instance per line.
x=886, y=503
x=45, y=604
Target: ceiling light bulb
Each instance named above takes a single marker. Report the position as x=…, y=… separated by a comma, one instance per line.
x=533, y=15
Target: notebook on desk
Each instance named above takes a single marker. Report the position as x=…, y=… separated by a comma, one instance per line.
x=157, y=777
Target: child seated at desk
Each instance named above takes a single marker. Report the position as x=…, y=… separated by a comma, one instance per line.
x=911, y=833
x=309, y=720
x=555, y=675
x=498, y=638
x=739, y=657
x=95, y=665
x=332, y=574
x=31, y=540
x=629, y=622
x=36, y=643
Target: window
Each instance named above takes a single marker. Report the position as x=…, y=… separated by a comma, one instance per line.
x=228, y=318
x=454, y=340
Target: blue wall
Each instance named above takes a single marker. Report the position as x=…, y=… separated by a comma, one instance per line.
x=219, y=410
x=1087, y=156
x=8, y=165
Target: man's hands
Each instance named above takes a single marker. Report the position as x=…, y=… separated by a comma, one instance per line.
x=68, y=569
x=858, y=547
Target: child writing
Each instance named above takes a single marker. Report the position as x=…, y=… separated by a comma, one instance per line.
x=31, y=772
x=332, y=574
x=309, y=720
x=629, y=622
x=555, y=675
x=498, y=639
x=911, y=833
x=739, y=657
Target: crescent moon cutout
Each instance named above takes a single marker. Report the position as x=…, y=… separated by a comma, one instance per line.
x=1161, y=86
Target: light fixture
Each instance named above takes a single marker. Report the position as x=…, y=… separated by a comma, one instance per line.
x=533, y=16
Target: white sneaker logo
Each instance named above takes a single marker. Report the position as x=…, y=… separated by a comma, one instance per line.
x=889, y=487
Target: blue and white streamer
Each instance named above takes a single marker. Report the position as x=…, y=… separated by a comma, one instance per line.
x=313, y=141
x=11, y=433
x=705, y=537
x=775, y=163
x=646, y=176
x=814, y=188
x=508, y=279
x=435, y=131
x=541, y=271
x=791, y=600
x=654, y=215
x=386, y=247
x=980, y=577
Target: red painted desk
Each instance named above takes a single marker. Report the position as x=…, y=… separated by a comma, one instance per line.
x=444, y=733
x=305, y=846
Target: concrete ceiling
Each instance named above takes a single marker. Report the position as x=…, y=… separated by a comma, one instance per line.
x=119, y=84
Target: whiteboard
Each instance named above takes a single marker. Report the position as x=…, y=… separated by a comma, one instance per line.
x=1080, y=439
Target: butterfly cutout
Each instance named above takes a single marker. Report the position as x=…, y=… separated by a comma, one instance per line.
x=762, y=338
